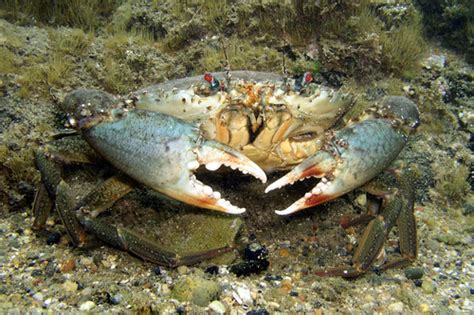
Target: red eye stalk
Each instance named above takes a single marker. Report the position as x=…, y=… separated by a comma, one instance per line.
x=308, y=77
x=208, y=77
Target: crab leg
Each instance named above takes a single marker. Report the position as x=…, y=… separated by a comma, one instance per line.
x=358, y=153
x=162, y=152
x=396, y=209
x=142, y=247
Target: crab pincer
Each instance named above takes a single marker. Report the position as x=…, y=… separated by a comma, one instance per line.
x=162, y=152
x=354, y=155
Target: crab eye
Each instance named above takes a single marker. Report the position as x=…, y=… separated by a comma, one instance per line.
x=208, y=77
x=308, y=77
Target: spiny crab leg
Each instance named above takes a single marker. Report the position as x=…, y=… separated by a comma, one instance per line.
x=162, y=152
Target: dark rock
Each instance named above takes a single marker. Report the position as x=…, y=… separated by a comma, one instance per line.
x=213, y=270
x=37, y=273
x=261, y=311
x=180, y=310
x=249, y=267
x=418, y=283
x=53, y=238
x=157, y=270
x=414, y=273
x=116, y=299
x=273, y=278
x=255, y=251
x=50, y=269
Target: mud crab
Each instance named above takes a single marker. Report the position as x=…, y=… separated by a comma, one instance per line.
x=251, y=121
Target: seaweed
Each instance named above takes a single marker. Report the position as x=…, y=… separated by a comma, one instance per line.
x=85, y=14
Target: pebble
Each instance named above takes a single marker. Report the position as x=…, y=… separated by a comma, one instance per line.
x=261, y=311
x=424, y=308
x=217, y=306
x=414, y=273
x=38, y=296
x=87, y=306
x=396, y=307
x=70, y=286
x=116, y=299
x=47, y=303
x=87, y=291
x=242, y=294
x=182, y=270
x=428, y=286
x=213, y=270
x=68, y=265
x=195, y=289
x=361, y=200
x=53, y=238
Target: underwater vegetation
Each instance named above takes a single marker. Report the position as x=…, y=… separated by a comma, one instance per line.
x=452, y=21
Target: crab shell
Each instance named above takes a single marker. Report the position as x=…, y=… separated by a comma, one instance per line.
x=249, y=121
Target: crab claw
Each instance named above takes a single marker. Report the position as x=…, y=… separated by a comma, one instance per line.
x=162, y=152
x=356, y=155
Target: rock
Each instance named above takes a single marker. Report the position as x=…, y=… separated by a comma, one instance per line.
x=116, y=299
x=468, y=207
x=197, y=290
x=218, y=307
x=38, y=296
x=87, y=306
x=428, y=286
x=70, y=286
x=436, y=61
x=424, y=308
x=361, y=200
x=396, y=307
x=242, y=294
x=182, y=270
x=413, y=273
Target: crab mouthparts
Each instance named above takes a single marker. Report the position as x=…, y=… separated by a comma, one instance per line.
x=212, y=155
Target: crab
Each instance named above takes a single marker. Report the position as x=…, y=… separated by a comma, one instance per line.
x=254, y=122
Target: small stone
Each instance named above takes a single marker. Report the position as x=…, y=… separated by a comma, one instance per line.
x=424, y=308
x=87, y=291
x=197, y=290
x=47, y=303
x=428, y=286
x=70, y=286
x=242, y=294
x=213, y=270
x=116, y=299
x=38, y=296
x=68, y=265
x=53, y=238
x=182, y=270
x=217, y=306
x=413, y=273
x=37, y=273
x=361, y=200
x=260, y=311
x=157, y=271
x=87, y=306
x=396, y=307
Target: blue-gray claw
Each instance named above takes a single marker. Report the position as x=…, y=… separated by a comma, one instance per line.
x=355, y=154
x=162, y=152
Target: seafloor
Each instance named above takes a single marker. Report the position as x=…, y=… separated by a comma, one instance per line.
x=42, y=274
